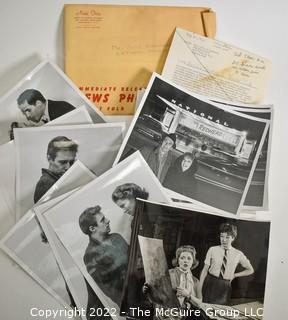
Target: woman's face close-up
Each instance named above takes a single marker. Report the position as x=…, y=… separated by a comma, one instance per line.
x=185, y=261
x=186, y=163
x=127, y=205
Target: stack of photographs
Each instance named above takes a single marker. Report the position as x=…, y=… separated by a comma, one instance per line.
x=28, y=245
x=146, y=226
x=95, y=225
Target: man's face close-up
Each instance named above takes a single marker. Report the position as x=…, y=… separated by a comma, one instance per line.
x=103, y=224
x=32, y=112
x=167, y=144
x=63, y=161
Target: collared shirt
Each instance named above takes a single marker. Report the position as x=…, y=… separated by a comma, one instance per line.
x=214, y=259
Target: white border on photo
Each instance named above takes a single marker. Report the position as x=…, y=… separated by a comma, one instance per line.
x=65, y=215
x=239, y=114
x=262, y=109
x=75, y=177
x=98, y=146
x=70, y=271
x=8, y=102
x=8, y=168
x=206, y=223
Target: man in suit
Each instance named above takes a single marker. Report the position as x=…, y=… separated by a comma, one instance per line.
x=37, y=109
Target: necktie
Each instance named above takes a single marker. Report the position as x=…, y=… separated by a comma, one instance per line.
x=223, y=266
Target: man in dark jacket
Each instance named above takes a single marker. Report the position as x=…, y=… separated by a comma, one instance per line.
x=61, y=154
x=37, y=109
x=160, y=158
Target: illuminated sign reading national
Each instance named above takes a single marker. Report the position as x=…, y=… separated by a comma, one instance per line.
x=205, y=126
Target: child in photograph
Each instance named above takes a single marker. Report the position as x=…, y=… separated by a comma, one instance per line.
x=220, y=266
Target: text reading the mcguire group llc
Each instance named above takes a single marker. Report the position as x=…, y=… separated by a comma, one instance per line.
x=140, y=313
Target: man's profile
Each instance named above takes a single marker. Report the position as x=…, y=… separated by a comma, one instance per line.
x=106, y=254
x=61, y=154
x=36, y=107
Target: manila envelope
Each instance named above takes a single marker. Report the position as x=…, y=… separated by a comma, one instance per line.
x=111, y=50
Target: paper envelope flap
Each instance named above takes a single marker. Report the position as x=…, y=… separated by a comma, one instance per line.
x=209, y=23
x=111, y=50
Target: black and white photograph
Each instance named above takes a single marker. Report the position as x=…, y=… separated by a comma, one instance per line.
x=257, y=194
x=76, y=283
x=43, y=95
x=8, y=168
x=215, y=262
x=54, y=150
x=197, y=150
x=28, y=246
x=95, y=225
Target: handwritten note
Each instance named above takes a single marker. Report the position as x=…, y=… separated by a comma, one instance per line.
x=216, y=69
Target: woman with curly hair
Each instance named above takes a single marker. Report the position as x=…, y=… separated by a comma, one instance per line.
x=125, y=197
x=185, y=285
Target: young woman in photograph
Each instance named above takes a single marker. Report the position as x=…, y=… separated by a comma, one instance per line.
x=125, y=196
x=185, y=286
x=181, y=175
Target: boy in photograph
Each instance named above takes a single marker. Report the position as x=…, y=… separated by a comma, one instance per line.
x=106, y=254
x=61, y=154
x=220, y=266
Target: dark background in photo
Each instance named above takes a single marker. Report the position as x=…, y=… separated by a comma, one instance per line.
x=222, y=173
x=178, y=227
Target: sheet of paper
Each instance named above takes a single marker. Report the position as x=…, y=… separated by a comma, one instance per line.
x=111, y=50
x=216, y=69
